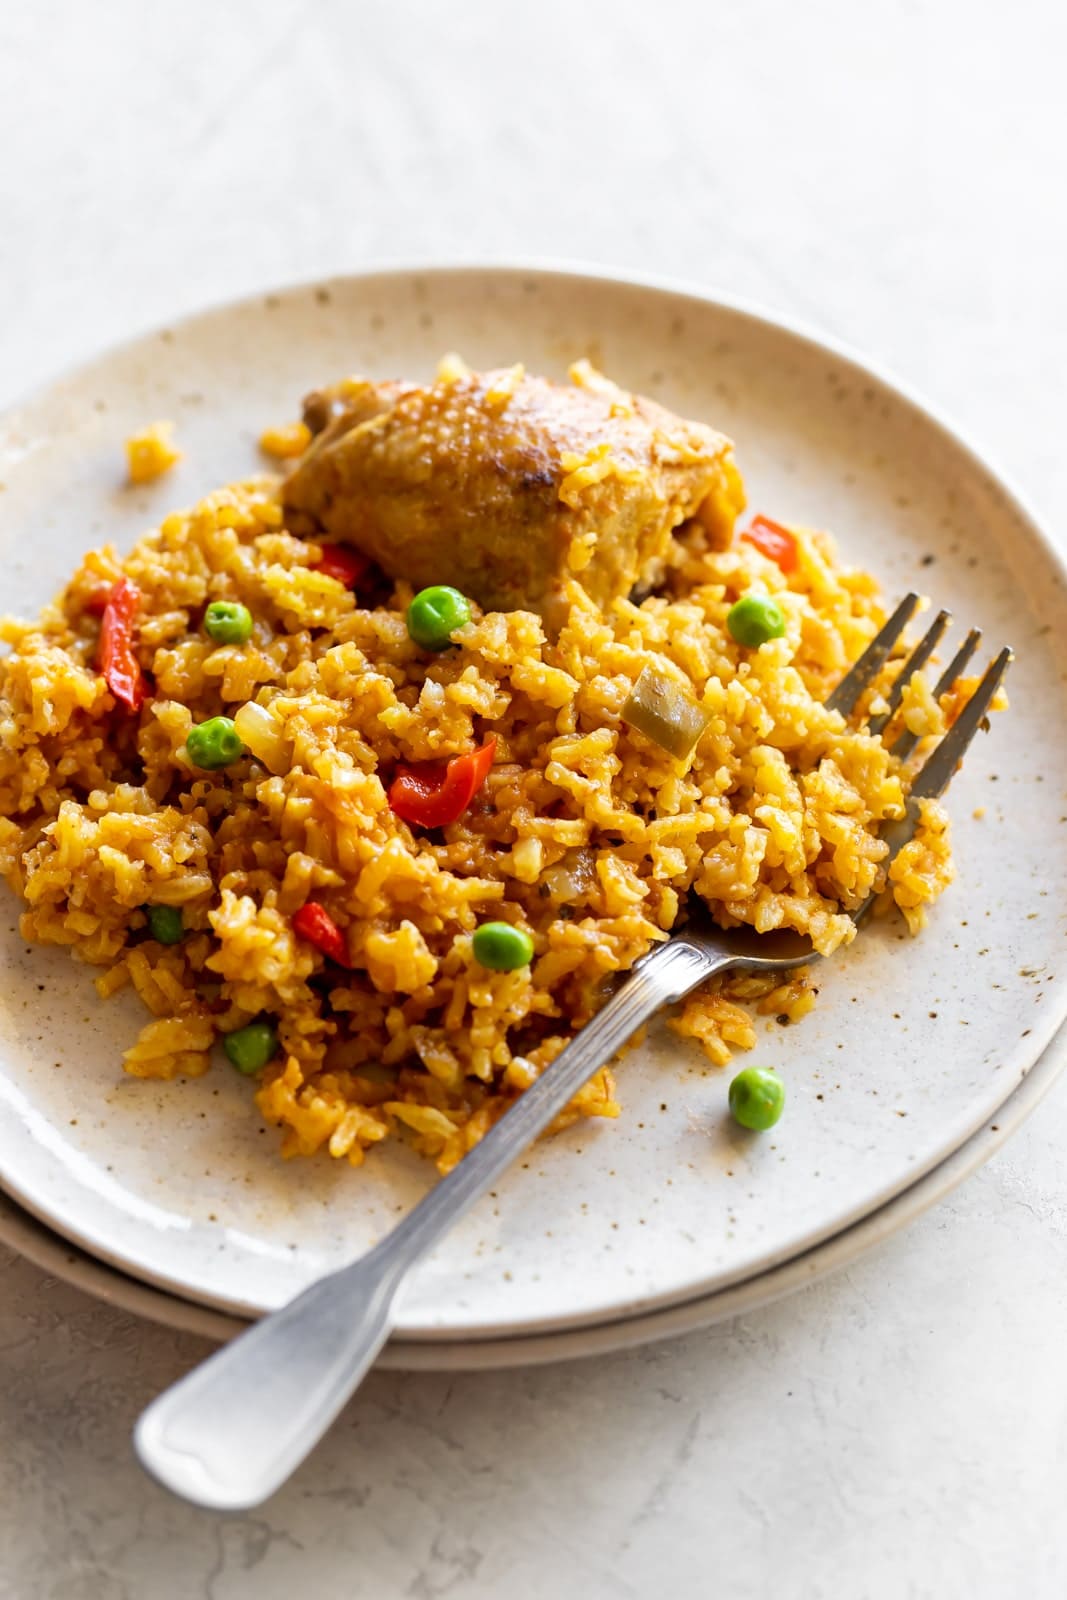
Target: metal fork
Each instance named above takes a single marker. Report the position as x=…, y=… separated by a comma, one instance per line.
x=229, y=1433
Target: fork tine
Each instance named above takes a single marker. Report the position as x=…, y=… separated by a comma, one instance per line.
x=905, y=744
x=870, y=663
x=937, y=771
x=915, y=663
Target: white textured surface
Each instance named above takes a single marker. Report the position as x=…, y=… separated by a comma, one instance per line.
x=891, y=172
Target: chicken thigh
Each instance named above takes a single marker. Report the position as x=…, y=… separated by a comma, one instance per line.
x=505, y=485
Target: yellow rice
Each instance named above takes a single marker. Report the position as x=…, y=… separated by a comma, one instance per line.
x=151, y=453
x=586, y=834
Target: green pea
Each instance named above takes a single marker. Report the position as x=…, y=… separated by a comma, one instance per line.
x=251, y=1047
x=165, y=924
x=435, y=614
x=228, y=622
x=374, y=1072
x=755, y=619
x=757, y=1096
x=214, y=744
x=502, y=948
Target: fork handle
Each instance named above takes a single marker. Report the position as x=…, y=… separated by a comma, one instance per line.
x=229, y=1433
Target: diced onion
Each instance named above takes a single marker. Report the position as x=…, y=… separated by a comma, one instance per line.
x=258, y=730
x=570, y=879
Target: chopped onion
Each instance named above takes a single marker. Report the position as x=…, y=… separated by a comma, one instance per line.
x=257, y=728
x=570, y=879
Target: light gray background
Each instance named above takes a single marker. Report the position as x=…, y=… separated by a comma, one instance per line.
x=893, y=173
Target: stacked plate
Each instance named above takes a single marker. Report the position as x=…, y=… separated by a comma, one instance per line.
x=921, y=1055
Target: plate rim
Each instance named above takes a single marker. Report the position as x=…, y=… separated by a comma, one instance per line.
x=986, y=470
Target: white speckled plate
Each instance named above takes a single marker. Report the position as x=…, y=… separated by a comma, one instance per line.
x=913, y=1046
x=57, y=1256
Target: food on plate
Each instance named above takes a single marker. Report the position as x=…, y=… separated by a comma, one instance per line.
x=286, y=442
x=757, y=1098
x=251, y=1047
x=165, y=924
x=213, y=744
x=525, y=484
x=228, y=622
x=436, y=614
x=380, y=773
x=664, y=712
x=501, y=947
x=755, y=619
x=151, y=453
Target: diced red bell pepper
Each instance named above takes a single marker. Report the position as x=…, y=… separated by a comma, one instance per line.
x=118, y=663
x=340, y=561
x=431, y=796
x=773, y=541
x=314, y=923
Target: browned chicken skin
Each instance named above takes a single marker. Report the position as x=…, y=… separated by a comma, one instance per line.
x=505, y=485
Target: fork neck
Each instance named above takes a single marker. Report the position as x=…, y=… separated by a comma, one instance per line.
x=670, y=971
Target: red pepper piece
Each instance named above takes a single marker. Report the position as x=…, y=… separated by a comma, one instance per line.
x=96, y=603
x=431, y=796
x=120, y=666
x=774, y=541
x=313, y=923
x=340, y=561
